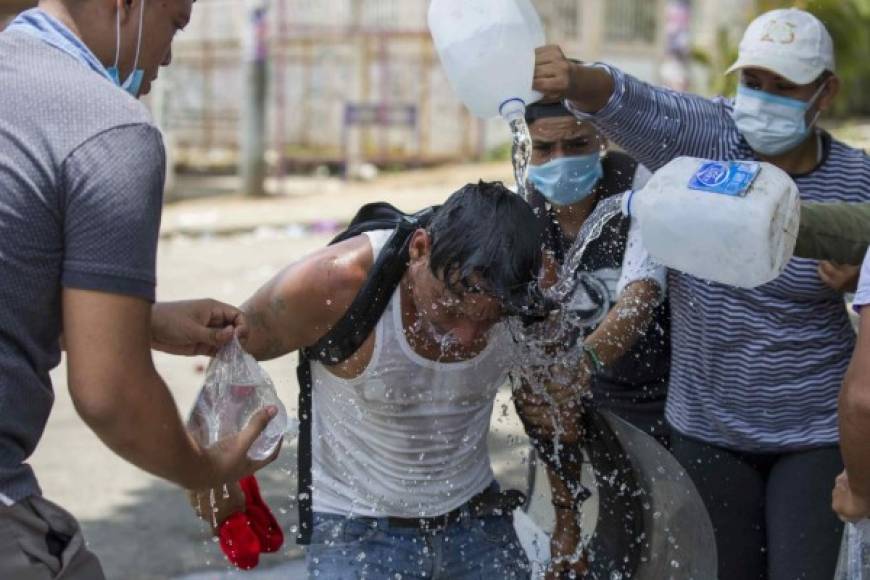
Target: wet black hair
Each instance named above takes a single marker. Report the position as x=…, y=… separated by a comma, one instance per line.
x=537, y=111
x=486, y=238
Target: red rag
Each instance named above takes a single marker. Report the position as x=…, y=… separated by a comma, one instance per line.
x=238, y=541
x=263, y=522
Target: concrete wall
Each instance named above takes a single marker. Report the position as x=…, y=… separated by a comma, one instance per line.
x=325, y=54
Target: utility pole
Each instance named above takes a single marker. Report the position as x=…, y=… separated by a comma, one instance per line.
x=255, y=65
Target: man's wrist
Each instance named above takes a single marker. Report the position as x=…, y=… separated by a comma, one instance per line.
x=198, y=472
x=575, y=83
x=859, y=495
x=591, y=356
x=590, y=88
x=157, y=321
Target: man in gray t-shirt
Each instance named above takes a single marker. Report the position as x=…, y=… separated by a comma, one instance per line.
x=81, y=180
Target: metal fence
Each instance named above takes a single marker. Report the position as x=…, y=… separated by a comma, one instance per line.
x=326, y=56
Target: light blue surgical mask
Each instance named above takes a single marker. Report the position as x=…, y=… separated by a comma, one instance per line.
x=50, y=30
x=567, y=180
x=133, y=83
x=772, y=124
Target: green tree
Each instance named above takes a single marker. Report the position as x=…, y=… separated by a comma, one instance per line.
x=717, y=61
x=848, y=21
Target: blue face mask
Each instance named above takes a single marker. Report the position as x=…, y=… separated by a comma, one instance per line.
x=45, y=27
x=772, y=124
x=567, y=180
x=133, y=83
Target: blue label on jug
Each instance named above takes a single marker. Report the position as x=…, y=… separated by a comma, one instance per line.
x=725, y=177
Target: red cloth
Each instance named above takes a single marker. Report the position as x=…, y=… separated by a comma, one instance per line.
x=238, y=541
x=264, y=523
x=244, y=535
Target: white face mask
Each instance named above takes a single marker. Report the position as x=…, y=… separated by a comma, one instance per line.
x=772, y=124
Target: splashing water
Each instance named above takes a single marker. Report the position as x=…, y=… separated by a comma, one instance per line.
x=548, y=352
x=212, y=502
x=576, y=294
x=565, y=291
x=448, y=343
x=521, y=153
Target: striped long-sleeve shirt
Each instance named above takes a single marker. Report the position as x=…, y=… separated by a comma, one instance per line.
x=753, y=370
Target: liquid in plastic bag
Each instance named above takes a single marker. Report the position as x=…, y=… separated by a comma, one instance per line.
x=236, y=388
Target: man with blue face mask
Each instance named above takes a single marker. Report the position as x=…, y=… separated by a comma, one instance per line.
x=628, y=347
x=571, y=173
x=755, y=374
x=81, y=181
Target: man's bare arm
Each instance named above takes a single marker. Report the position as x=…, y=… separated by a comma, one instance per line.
x=626, y=322
x=855, y=413
x=305, y=300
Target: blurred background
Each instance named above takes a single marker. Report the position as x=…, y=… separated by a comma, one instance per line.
x=275, y=88
x=281, y=118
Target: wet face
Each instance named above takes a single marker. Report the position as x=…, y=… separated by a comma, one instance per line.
x=769, y=82
x=162, y=20
x=555, y=137
x=447, y=311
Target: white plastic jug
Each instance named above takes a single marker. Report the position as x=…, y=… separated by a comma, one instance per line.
x=487, y=48
x=730, y=222
x=854, y=560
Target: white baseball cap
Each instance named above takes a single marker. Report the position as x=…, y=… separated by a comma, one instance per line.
x=789, y=42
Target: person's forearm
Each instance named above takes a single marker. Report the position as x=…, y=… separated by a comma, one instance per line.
x=264, y=339
x=854, y=412
x=839, y=232
x=655, y=125
x=559, y=490
x=854, y=417
x=590, y=89
x=626, y=322
x=140, y=422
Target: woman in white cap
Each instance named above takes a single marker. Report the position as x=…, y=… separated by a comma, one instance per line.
x=755, y=374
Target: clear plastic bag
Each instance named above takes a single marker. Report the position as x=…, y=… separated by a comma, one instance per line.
x=854, y=560
x=235, y=388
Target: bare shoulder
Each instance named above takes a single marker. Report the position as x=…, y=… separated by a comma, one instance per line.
x=320, y=288
x=338, y=272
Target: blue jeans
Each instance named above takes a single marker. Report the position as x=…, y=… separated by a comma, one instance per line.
x=484, y=548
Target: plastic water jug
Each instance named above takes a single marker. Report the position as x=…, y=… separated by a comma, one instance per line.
x=487, y=48
x=733, y=222
x=854, y=560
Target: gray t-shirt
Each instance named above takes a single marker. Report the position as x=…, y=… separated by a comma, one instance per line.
x=81, y=183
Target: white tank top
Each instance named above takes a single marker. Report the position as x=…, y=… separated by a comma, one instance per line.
x=408, y=437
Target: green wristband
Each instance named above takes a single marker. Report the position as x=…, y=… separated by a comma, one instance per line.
x=597, y=365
